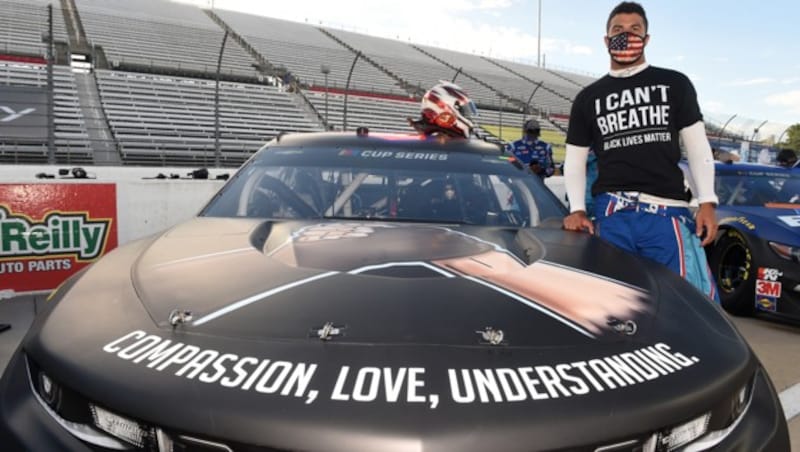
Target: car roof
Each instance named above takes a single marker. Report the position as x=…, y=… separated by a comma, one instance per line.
x=723, y=167
x=394, y=141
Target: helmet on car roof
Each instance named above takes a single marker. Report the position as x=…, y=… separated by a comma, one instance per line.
x=449, y=108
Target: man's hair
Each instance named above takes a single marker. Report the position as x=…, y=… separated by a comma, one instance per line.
x=786, y=156
x=628, y=8
x=532, y=125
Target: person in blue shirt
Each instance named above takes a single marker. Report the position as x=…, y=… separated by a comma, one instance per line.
x=532, y=151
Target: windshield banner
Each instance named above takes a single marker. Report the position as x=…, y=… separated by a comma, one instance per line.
x=50, y=231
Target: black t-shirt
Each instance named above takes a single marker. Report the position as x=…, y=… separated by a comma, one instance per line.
x=632, y=124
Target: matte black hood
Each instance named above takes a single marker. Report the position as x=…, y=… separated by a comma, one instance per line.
x=382, y=283
x=592, y=349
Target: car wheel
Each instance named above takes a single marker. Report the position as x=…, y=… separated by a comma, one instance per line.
x=732, y=265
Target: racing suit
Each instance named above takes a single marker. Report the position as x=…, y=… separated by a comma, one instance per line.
x=531, y=152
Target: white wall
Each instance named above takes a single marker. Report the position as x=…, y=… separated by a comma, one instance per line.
x=27, y=173
x=144, y=206
x=147, y=207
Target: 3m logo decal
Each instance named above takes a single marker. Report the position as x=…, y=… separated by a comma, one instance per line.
x=768, y=288
x=58, y=234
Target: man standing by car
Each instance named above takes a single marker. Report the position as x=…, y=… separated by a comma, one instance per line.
x=786, y=158
x=633, y=118
x=532, y=151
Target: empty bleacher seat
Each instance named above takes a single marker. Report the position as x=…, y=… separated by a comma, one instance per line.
x=161, y=119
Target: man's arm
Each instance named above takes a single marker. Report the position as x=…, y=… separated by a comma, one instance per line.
x=575, y=182
x=701, y=169
x=551, y=164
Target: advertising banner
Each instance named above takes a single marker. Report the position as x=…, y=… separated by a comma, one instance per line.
x=50, y=231
x=23, y=113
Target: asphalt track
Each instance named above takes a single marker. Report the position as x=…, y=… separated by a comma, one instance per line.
x=776, y=344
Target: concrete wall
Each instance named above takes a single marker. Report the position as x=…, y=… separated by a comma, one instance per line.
x=144, y=205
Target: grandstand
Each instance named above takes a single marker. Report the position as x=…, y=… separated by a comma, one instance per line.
x=159, y=36
x=71, y=138
x=302, y=50
x=159, y=119
x=149, y=96
x=24, y=24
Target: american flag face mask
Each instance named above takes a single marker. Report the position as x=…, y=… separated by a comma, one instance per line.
x=626, y=47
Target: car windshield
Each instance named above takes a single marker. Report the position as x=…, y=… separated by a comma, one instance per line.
x=425, y=185
x=758, y=188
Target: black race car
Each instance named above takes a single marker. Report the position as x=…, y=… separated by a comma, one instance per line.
x=755, y=257
x=383, y=293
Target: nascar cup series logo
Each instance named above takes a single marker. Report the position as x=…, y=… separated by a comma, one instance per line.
x=58, y=234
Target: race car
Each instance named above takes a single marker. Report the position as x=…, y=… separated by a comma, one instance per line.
x=756, y=253
x=366, y=292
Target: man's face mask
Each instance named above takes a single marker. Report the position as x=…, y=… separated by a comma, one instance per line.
x=626, y=48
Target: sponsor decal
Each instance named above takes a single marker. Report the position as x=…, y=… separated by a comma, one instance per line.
x=791, y=220
x=740, y=220
x=769, y=274
x=767, y=286
x=400, y=155
x=530, y=382
x=768, y=304
x=50, y=231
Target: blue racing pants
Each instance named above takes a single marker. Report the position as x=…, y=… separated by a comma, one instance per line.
x=661, y=233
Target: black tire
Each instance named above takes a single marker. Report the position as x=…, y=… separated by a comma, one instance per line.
x=731, y=261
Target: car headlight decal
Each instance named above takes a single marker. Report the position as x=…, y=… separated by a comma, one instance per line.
x=49, y=390
x=738, y=407
x=694, y=435
x=121, y=427
x=685, y=433
x=81, y=431
x=790, y=253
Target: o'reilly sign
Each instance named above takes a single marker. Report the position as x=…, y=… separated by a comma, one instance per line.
x=59, y=234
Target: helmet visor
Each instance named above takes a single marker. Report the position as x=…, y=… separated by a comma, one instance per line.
x=468, y=110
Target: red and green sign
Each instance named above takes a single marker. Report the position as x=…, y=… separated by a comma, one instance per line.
x=50, y=231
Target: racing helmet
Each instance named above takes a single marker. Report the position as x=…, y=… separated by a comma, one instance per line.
x=449, y=108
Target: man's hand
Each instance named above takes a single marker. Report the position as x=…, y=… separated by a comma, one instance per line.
x=536, y=168
x=578, y=221
x=706, y=220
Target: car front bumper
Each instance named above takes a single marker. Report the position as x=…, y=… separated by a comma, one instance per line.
x=25, y=424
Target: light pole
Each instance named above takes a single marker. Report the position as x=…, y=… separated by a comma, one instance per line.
x=347, y=89
x=325, y=71
x=722, y=131
x=539, y=38
x=781, y=137
x=755, y=131
x=456, y=76
x=528, y=105
x=51, y=127
x=217, y=149
x=502, y=106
